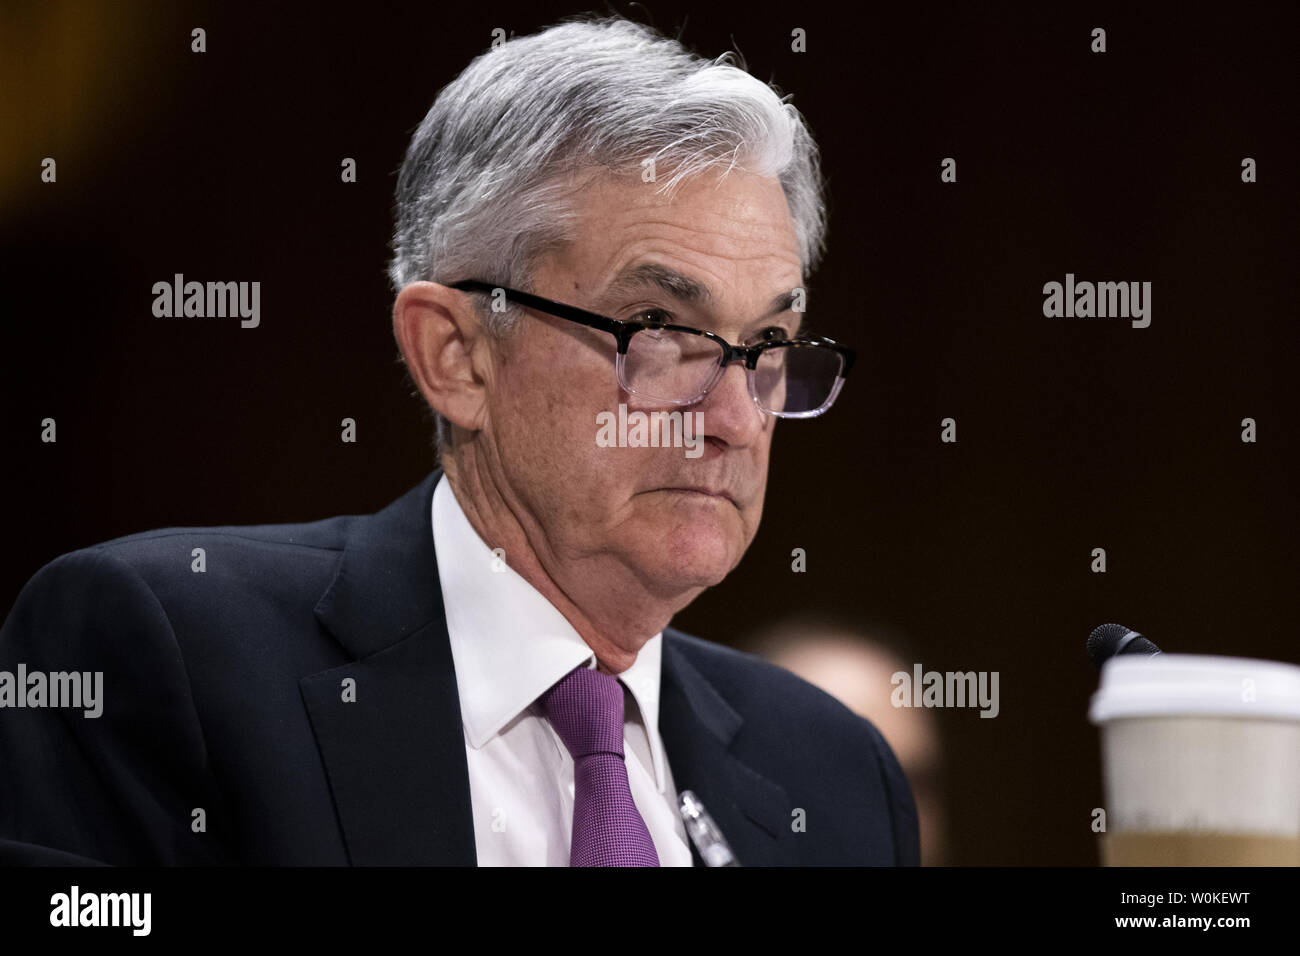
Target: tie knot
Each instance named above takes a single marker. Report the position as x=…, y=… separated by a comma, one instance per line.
x=586, y=709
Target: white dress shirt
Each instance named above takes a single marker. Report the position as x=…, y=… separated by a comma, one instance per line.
x=509, y=645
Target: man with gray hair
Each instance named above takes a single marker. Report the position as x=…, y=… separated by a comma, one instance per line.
x=590, y=220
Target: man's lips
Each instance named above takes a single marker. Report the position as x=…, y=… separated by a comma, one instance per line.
x=699, y=490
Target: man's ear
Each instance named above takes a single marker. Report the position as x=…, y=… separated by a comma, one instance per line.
x=446, y=350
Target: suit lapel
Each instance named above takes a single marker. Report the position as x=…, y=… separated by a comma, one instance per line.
x=698, y=727
x=395, y=757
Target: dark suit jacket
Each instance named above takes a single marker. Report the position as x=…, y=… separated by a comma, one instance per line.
x=223, y=691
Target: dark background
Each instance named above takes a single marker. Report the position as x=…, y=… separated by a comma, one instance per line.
x=1073, y=433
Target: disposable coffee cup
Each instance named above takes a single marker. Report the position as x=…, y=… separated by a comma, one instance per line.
x=1201, y=760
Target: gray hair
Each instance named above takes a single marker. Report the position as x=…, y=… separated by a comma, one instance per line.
x=487, y=181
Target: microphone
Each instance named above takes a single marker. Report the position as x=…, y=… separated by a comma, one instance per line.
x=1110, y=639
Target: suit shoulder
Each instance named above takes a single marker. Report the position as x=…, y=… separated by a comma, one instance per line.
x=161, y=557
x=325, y=534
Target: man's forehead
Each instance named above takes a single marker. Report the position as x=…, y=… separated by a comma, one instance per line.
x=712, y=238
x=740, y=214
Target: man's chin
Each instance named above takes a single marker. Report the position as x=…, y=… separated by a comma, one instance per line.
x=693, y=564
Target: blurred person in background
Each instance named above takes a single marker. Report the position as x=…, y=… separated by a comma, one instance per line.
x=856, y=670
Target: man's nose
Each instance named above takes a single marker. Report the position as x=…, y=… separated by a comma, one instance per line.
x=729, y=410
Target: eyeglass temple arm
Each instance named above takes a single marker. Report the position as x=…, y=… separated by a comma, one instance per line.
x=573, y=314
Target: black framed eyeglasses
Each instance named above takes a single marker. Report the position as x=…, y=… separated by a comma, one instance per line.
x=679, y=365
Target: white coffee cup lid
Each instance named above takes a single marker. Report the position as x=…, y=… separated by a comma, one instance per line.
x=1140, y=685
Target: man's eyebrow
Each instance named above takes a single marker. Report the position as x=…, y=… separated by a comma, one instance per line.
x=680, y=287
x=666, y=280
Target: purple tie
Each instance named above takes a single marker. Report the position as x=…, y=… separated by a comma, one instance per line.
x=586, y=710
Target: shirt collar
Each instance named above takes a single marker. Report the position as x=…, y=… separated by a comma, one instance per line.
x=509, y=643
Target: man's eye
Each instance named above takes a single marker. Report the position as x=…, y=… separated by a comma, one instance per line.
x=773, y=333
x=653, y=317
